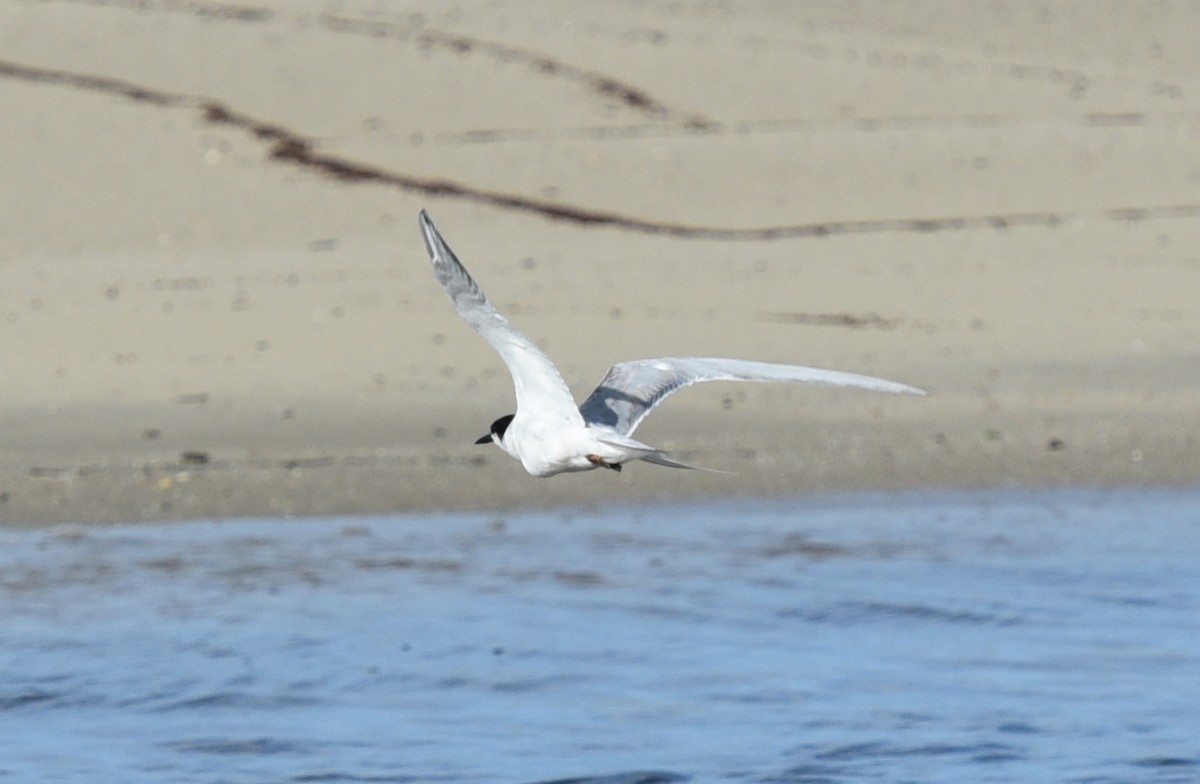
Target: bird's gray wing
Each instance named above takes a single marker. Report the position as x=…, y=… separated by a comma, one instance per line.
x=630, y=390
x=540, y=388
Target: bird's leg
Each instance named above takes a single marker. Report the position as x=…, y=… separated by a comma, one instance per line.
x=596, y=460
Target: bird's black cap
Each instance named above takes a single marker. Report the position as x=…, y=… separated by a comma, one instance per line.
x=498, y=428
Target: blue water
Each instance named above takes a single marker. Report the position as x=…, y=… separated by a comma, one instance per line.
x=922, y=638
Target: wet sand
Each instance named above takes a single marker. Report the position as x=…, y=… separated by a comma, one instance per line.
x=216, y=301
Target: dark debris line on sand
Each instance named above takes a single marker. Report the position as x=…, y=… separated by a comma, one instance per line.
x=290, y=146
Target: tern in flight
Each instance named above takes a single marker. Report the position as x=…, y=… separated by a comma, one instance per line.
x=549, y=434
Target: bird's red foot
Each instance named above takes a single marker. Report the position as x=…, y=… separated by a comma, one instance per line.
x=596, y=460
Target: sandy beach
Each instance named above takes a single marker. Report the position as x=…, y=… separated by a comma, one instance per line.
x=216, y=301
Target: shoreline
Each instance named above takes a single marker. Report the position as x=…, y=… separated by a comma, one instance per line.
x=224, y=481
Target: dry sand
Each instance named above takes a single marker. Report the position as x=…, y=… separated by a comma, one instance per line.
x=216, y=301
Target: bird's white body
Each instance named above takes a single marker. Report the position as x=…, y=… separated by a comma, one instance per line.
x=545, y=449
x=549, y=434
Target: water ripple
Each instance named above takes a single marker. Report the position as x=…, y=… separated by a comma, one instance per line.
x=238, y=700
x=240, y=746
x=855, y=612
x=632, y=777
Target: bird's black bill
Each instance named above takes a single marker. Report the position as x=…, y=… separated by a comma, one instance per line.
x=485, y=439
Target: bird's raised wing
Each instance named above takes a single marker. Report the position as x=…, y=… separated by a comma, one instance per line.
x=540, y=388
x=630, y=390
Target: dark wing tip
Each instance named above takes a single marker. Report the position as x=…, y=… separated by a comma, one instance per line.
x=433, y=243
x=427, y=227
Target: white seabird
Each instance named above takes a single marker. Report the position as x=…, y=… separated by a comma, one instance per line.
x=549, y=434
